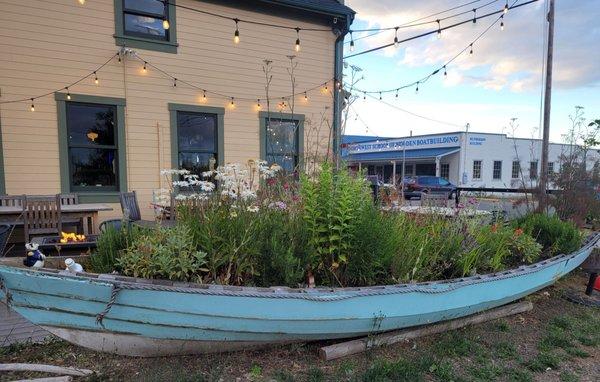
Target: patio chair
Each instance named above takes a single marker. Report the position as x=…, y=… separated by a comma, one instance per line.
x=130, y=209
x=41, y=216
x=434, y=199
x=69, y=199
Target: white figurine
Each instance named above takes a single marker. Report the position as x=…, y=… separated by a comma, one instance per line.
x=72, y=266
x=35, y=258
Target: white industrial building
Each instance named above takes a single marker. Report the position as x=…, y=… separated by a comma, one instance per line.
x=464, y=158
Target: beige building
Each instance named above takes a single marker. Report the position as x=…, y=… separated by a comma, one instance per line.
x=161, y=98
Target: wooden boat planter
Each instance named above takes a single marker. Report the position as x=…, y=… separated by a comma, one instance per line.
x=139, y=317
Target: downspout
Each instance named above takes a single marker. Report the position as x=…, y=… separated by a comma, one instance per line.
x=338, y=68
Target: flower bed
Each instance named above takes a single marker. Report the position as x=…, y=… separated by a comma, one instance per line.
x=259, y=226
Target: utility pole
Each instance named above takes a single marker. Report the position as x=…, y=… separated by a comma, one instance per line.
x=543, y=185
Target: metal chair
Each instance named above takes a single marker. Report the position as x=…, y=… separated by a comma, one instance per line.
x=41, y=216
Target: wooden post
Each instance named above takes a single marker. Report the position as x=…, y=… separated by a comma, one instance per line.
x=543, y=184
x=362, y=344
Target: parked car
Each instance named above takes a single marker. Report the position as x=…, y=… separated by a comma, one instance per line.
x=415, y=186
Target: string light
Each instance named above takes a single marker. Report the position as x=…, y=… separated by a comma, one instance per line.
x=379, y=95
x=474, y=15
x=82, y=2
x=305, y=96
x=96, y=81
x=297, y=47
x=232, y=104
x=506, y=7
x=417, y=89
x=236, y=34
x=174, y=82
x=351, y=42
x=439, y=31
x=258, y=107
x=502, y=23
x=471, y=51
x=397, y=92
x=204, y=95
x=445, y=72
x=68, y=94
x=365, y=96
x=32, y=105
x=396, y=42
x=119, y=56
x=326, y=88
x=144, y=70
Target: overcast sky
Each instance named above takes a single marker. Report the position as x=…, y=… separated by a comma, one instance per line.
x=500, y=81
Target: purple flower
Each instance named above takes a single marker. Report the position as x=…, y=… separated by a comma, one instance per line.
x=278, y=205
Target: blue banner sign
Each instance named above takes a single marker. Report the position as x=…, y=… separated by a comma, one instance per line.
x=410, y=143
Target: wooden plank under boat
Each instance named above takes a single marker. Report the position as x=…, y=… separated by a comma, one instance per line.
x=140, y=317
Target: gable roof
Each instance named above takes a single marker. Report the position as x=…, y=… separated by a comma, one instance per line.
x=327, y=7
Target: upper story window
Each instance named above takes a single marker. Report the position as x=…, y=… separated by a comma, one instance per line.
x=146, y=18
x=146, y=24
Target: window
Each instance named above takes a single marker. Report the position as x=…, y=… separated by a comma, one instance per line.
x=445, y=170
x=141, y=24
x=533, y=170
x=282, y=139
x=516, y=169
x=476, y=169
x=92, y=146
x=196, y=137
x=497, y=170
x=550, y=168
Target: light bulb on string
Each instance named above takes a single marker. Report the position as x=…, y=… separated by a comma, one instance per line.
x=258, y=107
x=397, y=92
x=471, y=51
x=396, y=42
x=502, y=22
x=445, y=72
x=144, y=70
x=325, y=88
x=297, y=46
x=417, y=89
x=32, y=108
x=119, y=56
x=203, y=95
x=380, y=96
x=96, y=81
x=236, y=34
x=82, y=2
x=351, y=42
x=439, y=31
x=174, y=82
x=232, y=103
x=506, y=7
x=68, y=93
x=365, y=96
x=474, y=15
x=305, y=96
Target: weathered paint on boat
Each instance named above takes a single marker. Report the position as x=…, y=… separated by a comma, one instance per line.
x=155, y=317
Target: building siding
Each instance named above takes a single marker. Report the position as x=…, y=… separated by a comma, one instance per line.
x=47, y=44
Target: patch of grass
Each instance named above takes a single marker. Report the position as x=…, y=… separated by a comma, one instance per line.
x=487, y=371
x=506, y=350
x=315, y=375
x=345, y=369
x=575, y=352
x=519, y=375
x=503, y=326
x=255, y=371
x=567, y=376
x=543, y=361
x=401, y=370
x=443, y=371
x=556, y=337
x=456, y=344
x=283, y=376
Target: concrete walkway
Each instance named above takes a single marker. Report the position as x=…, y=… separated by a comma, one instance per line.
x=16, y=329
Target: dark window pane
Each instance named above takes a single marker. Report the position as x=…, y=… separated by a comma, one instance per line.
x=287, y=162
x=144, y=25
x=147, y=6
x=196, y=131
x=196, y=163
x=91, y=124
x=281, y=137
x=93, y=167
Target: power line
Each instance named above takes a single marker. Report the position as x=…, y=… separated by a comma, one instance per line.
x=439, y=29
x=443, y=67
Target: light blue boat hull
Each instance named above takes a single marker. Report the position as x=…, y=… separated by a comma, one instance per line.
x=149, y=318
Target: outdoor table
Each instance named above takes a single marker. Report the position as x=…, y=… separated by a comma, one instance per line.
x=87, y=212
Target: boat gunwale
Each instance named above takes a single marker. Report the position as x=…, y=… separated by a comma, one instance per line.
x=319, y=293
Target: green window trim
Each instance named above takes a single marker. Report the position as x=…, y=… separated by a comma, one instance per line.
x=2, y=181
x=265, y=115
x=219, y=111
x=121, y=39
x=63, y=146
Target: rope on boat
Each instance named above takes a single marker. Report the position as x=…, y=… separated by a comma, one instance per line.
x=7, y=293
x=113, y=296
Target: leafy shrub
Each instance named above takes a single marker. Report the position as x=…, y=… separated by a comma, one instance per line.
x=110, y=244
x=555, y=236
x=164, y=253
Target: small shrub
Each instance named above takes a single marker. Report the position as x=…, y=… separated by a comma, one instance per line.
x=164, y=253
x=555, y=236
x=110, y=245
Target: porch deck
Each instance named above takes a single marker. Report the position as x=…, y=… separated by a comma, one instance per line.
x=16, y=329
